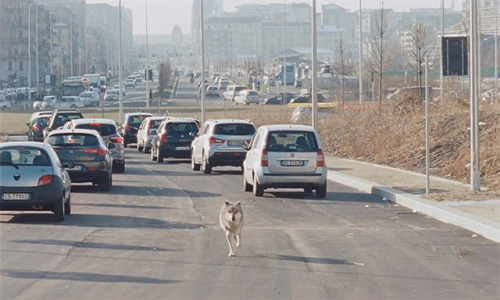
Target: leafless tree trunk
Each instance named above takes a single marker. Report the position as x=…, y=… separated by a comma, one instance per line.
x=420, y=37
x=379, y=50
x=344, y=68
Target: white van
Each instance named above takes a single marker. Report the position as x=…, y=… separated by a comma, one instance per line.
x=233, y=90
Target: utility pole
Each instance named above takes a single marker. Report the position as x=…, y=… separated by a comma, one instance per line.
x=474, y=92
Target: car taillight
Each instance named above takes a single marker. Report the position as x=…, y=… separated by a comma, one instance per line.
x=264, y=162
x=320, y=159
x=127, y=127
x=213, y=140
x=164, y=138
x=45, y=180
x=116, y=139
x=36, y=127
x=98, y=151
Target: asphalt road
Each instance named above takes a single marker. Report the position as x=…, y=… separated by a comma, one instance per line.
x=155, y=235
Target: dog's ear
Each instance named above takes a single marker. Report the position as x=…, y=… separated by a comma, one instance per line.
x=227, y=203
x=238, y=204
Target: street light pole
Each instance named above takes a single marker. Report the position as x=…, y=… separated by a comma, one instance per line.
x=29, y=52
x=474, y=92
x=147, y=57
x=120, y=98
x=314, y=102
x=360, y=55
x=202, y=36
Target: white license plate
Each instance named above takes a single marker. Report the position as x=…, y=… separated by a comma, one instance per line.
x=182, y=148
x=292, y=163
x=16, y=196
x=75, y=168
x=235, y=143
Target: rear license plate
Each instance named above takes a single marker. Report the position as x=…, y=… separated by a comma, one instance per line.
x=298, y=163
x=16, y=196
x=75, y=168
x=235, y=143
x=182, y=148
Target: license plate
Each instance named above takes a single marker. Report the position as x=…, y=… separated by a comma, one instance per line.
x=75, y=168
x=16, y=196
x=292, y=163
x=182, y=148
x=235, y=143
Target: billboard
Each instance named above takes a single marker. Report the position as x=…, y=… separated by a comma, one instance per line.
x=455, y=56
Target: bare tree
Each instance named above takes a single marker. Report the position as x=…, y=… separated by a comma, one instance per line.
x=379, y=51
x=344, y=68
x=421, y=40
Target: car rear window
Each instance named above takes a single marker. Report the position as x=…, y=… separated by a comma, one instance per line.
x=291, y=141
x=23, y=156
x=103, y=129
x=155, y=123
x=62, y=118
x=186, y=127
x=72, y=140
x=234, y=129
x=136, y=120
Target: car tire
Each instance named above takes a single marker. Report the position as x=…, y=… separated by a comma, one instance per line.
x=194, y=165
x=146, y=149
x=246, y=186
x=258, y=191
x=125, y=145
x=153, y=157
x=120, y=168
x=159, y=156
x=107, y=183
x=139, y=147
x=59, y=210
x=308, y=189
x=321, y=191
x=207, y=168
x=67, y=206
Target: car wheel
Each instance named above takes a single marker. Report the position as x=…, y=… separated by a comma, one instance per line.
x=146, y=149
x=194, y=165
x=125, y=145
x=308, y=189
x=107, y=183
x=59, y=210
x=246, y=186
x=207, y=168
x=153, y=157
x=258, y=191
x=139, y=147
x=159, y=158
x=321, y=191
x=67, y=206
x=120, y=168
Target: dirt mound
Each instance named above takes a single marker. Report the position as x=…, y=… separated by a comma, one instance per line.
x=394, y=135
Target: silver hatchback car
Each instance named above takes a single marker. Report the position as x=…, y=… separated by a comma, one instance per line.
x=285, y=156
x=109, y=133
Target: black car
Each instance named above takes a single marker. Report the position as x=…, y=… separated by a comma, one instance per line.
x=275, y=100
x=59, y=118
x=129, y=126
x=173, y=138
x=36, y=127
x=300, y=99
x=86, y=153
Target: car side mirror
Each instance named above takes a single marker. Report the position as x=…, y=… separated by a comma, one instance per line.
x=69, y=165
x=111, y=145
x=28, y=124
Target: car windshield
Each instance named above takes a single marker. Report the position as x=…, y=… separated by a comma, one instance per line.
x=292, y=141
x=23, y=156
x=103, y=129
x=72, y=140
x=63, y=118
x=234, y=129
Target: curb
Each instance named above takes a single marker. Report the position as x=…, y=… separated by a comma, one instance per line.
x=482, y=226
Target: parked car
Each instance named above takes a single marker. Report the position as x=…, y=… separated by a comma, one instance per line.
x=90, y=98
x=4, y=103
x=46, y=103
x=247, y=97
x=109, y=133
x=130, y=83
x=111, y=95
x=300, y=99
x=219, y=143
x=173, y=138
x=212, y=90
x=59, y=118
x=285, y=156
x=146, y=132
x=233, y=90
x=36, y=127
x=273, y=100
x=129, y=126
x=33, y=179
x=84, y=151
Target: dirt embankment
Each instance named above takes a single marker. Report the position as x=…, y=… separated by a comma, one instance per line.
x=395, y=136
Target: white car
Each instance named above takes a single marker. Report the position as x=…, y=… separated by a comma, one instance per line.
x=90, y=98
x=146, y=132
x=47, y=103
x=111, y=95
x=233, y=90
x=247, y=97
x=220, y=143
x=212, y=90
x=4, y=103
x=285, y=156
x=69, y=102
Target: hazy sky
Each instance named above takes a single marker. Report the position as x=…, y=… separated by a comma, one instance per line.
x=163, y=15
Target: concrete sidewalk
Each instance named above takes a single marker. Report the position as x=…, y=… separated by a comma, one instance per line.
x=446, y=202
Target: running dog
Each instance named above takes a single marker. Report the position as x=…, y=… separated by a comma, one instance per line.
x=231, y=221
